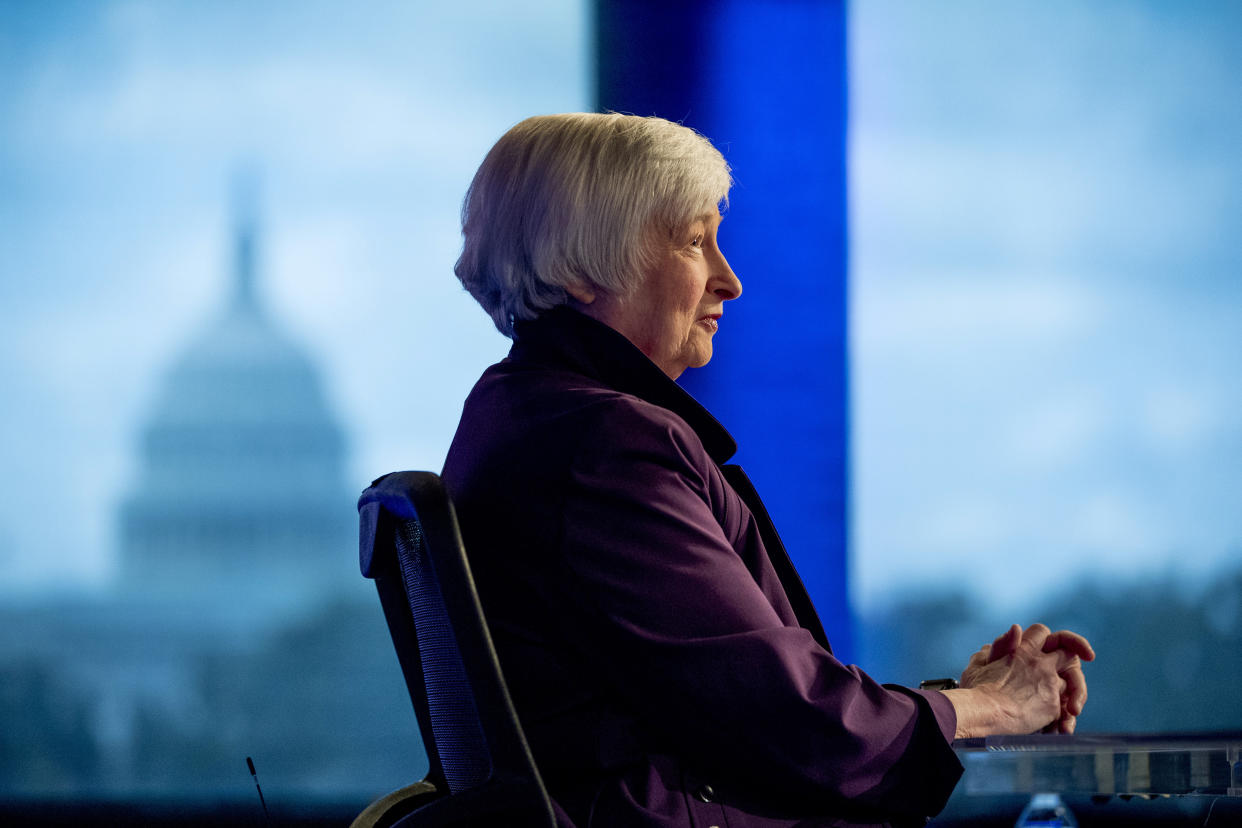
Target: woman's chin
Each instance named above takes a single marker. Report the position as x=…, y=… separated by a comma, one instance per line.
x=701, y=357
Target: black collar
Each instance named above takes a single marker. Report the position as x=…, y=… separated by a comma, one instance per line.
x=565, y=338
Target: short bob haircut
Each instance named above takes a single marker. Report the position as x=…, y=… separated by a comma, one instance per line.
x=580, y=199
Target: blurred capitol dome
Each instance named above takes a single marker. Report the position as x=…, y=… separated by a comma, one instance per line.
x=240, y=500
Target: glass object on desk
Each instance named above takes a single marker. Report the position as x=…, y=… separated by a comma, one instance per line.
x=1046, y=810
x=1158, y=764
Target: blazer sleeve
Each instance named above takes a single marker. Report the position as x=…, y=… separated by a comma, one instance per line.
x=682, y=631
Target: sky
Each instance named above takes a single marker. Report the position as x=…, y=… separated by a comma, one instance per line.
x=1046, y=302
x=123, y=127
x=1044, y=270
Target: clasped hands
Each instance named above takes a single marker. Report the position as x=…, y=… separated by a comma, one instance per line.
x=1025, y=681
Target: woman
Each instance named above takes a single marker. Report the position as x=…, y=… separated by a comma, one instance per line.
x=665, y=660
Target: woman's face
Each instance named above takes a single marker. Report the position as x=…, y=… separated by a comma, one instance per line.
x=675, y=311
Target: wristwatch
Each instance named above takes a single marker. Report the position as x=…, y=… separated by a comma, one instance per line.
x=938, y=684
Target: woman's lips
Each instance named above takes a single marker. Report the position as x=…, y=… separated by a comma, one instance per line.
x=710, y=322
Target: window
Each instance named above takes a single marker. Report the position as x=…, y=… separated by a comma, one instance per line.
x=228, y=304
x=1045, y=318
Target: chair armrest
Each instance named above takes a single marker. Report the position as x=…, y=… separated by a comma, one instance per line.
x=386, y=810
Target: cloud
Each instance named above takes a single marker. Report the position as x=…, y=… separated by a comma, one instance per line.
x=1114, y=524
x=1177, y=419
x=386, y=92
x=1057, y=432
x=938, y=310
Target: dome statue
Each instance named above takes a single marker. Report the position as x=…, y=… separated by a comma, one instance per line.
x=239, y=500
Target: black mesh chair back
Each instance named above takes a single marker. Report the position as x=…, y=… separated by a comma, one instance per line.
x=479, y=762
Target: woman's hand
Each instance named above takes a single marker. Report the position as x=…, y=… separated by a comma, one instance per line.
x=1022, y=682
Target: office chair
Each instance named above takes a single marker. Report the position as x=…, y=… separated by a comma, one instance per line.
x=480, y=768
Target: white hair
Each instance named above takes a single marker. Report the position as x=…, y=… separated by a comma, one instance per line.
x=580, y=199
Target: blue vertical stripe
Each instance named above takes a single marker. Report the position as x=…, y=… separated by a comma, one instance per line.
x=766, y=81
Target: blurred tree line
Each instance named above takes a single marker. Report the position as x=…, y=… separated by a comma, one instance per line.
x=1168, y=656
x=321, y=706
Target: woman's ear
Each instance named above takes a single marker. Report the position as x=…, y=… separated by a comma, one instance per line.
x=581, y=292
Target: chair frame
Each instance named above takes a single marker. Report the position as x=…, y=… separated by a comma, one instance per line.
x=513, y=793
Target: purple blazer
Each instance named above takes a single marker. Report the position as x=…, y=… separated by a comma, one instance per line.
x=664, y=658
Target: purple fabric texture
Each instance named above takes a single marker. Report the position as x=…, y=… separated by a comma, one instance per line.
x=644, y=611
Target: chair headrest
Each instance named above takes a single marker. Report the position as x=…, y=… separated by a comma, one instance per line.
x=386, y=499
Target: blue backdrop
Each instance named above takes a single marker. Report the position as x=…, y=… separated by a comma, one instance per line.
x=766, y=82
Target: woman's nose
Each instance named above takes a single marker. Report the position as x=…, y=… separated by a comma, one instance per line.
x=727, y=285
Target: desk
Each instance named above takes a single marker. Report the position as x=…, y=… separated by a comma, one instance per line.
x=1169, y=763
x=1107, y=779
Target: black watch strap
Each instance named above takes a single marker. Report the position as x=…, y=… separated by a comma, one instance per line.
x=938, y=684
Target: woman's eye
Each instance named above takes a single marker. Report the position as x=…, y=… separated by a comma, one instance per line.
x=697, y=241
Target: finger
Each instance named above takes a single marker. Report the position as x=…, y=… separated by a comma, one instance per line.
x=1071, y=642
x=1035, y=635
x=1036, y=630
x=1005, y=644
x=1063, y=723
x=1075, y=694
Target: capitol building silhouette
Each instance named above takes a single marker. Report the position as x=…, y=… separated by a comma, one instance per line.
x=240, y=499
x=240, y=624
